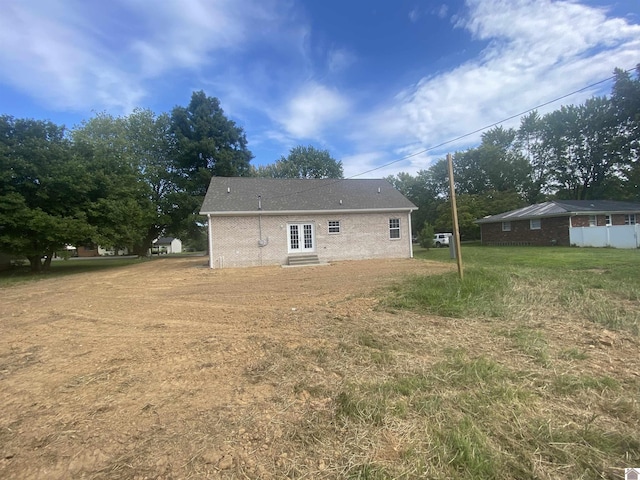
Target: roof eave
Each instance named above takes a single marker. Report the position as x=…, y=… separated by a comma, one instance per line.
x=553, y=215
x=306, y=212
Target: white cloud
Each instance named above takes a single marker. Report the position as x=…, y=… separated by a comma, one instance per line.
x=339, y=59
x=378, y=164
x=442, y=11
x=354, y=165
x=48, y=54
x=311, y=110
x=438, y=11
x=537, y=50
x=80, y=56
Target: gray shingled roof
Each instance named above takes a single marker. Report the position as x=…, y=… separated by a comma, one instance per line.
x=228, y=195
x=557, y=208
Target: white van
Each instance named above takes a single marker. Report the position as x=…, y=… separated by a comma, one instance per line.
x=441, y=239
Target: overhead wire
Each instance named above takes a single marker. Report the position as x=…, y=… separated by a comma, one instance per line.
x=460, y=137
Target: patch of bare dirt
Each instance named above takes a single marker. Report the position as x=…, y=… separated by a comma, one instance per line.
x=157, y=370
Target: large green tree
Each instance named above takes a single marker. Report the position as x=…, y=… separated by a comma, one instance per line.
x=45, y=191
x=303, y=162
x=131, y=158
x=423, y=193
x=530, y=140
x=582, y=139
x=207, y=144
x=495, y=165
x=625, y=98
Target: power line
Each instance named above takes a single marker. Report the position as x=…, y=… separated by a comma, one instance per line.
x=447, y=142
x=490, y=126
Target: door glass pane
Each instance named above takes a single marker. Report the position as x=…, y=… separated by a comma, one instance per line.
x=294, y=237
x=308, y=236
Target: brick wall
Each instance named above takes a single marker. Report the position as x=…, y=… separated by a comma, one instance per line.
x=601, y=220
x=553, y=231
x=87, y=250
x=362, y=236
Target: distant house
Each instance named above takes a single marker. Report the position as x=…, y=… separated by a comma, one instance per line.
x=166, y=245
x=88, y=250
x=94, y=250
x=584, y=223
x=110, y=252
x=267, y=221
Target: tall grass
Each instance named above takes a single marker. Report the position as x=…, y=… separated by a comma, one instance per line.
x=498, y=393
x=601, y=285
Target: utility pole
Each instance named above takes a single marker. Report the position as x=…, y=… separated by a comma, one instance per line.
x=454, y=216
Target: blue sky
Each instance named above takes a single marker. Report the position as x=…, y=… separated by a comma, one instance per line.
x=371, y=81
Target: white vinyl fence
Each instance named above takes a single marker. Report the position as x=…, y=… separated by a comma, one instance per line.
x=617, y=236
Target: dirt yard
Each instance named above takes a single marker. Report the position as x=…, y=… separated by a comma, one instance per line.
x=160, y=370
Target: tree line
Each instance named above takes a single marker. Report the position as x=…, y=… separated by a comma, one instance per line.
x=582, y=152
x=123, y=181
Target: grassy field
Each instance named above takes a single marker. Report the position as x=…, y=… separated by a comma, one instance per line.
x=531, y=395
x=527, y=369
x=60, y=268
x=601, y=285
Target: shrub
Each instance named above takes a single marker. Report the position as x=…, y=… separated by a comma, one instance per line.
x=425, y=236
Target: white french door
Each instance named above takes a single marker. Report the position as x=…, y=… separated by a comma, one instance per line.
x=301, y=237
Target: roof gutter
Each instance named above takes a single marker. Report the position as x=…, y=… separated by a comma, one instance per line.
x=247, y=213
x=552, y=215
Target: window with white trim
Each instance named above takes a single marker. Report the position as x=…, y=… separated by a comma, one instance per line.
x=394, y=228
x=535, y=224
x=334, y=226
x=593, y=221
x=506, y=226
x=607, y=220
x=630, y=219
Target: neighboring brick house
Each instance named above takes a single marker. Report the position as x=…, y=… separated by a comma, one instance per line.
x=277, y=221
x=596, y=223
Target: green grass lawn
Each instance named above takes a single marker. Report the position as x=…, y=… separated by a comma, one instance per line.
x=528, y=374
x=527, y=369
x=61, y=268
x=600, y=283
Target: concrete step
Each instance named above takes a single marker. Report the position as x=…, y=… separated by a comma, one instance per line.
x=310, y=259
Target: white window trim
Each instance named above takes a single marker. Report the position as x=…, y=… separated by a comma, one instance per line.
x=593, y=220
x=506, y=226
x=607, y=220
x=538, y=222
x=630, y=219
x=338, y=226
x=391, y=229
x=301, y=240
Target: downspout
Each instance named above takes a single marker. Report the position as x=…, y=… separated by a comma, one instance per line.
x=260, y=242
x=210, y=238
x=410, y=236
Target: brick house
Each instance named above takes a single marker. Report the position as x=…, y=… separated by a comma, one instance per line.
x=595, y=223
x=277, y=221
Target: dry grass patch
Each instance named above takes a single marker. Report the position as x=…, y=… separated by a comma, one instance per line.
x=311, y=375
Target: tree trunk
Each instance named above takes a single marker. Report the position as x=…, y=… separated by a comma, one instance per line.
x=47, y=261
x=36, y=263
x=143, y=248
